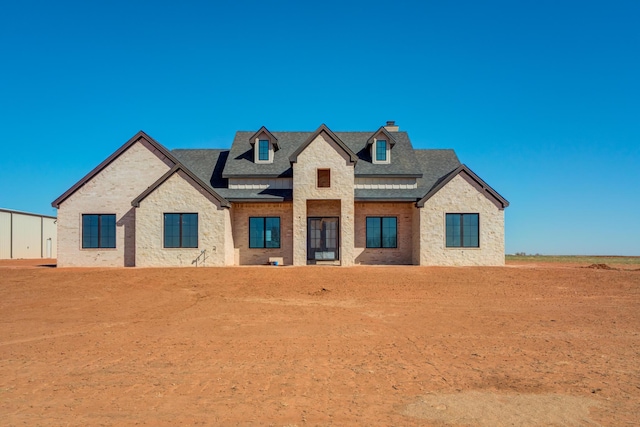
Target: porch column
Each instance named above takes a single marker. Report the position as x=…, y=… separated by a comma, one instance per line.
x=299, y=231
x=347, y=232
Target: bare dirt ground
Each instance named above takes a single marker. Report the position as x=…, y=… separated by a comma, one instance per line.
x=555, y=345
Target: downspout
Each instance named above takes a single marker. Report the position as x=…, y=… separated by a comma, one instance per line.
x=41, y=237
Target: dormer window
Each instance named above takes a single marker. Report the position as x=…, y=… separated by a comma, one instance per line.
x=380, y=145
x=264, y=146
x=381, y=150
x=263, y=150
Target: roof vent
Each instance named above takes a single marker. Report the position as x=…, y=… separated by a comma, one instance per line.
x=391, y=126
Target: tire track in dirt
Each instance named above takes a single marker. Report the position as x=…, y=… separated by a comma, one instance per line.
x=269, y=346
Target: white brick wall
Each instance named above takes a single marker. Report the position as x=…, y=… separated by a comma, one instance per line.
x=109, y=192
x=179, y=194
x=459, y=196
x=415, y=236
x=323, y=154
x=224, y=232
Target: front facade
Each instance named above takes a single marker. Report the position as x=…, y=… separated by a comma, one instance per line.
x=295, y=198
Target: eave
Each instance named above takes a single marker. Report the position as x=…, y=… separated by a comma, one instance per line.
x=140, y=135
x=179, y=167
x=479, y=183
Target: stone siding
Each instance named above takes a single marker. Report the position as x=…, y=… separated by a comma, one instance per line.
x=224, y=232
x=391, y=256
x=179, y=194
x=109, y=192
x=415, y=236
x=460, y=196
x=323, y=208
x=323, y=153
x=229, y=250
x=260, y=256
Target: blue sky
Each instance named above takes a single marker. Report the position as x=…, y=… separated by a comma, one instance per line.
x=539, y=98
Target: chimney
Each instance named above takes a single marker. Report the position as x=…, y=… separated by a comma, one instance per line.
x=391, y=126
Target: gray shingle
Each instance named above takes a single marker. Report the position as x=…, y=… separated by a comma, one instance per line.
x=241, y=164
x=206, y=164
x=403, y=162
x=410, y=195
x=236, y=195
x=435, y=165
x=215, y=166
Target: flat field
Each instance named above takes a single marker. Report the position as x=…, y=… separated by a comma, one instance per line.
x=527, y=344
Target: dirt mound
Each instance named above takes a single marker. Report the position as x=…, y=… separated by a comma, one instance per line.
x=600, y=267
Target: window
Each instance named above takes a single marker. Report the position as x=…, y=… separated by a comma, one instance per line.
x=324, y=178
x=263, y=150
x=381, y=150
x=264, y=232
x=463, y=230
x=181, y=230
x=99, y=231
x=382, y=232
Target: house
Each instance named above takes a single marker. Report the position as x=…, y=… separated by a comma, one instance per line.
x=321, y=197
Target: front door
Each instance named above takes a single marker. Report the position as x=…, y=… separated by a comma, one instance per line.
x=322, y=238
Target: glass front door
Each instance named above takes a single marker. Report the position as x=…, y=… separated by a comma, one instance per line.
x=322, y=239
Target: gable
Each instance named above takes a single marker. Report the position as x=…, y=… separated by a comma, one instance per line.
x=323, y=171
x=323, y=150
x=382, y=133
x=187, y=175
x=263, y=132
x=471, y=178
x=328, y=135
x=140, y=138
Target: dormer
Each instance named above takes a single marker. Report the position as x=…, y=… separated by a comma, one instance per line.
x=264, y=146
x=380, y=145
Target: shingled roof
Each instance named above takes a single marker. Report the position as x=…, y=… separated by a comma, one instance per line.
x=212, y=168
x=208, y=164
x=240, y=163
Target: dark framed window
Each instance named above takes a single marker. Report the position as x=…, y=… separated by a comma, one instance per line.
x=382, y=232
x=98, y=231
x=324, y=178
x=181, y=230
x=381, y=150
x=264, y=232
x=263, y=149
x=463, y=230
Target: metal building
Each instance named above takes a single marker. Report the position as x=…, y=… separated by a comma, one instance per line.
x=27, y=235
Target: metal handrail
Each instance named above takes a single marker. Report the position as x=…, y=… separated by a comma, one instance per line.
x=202, y=255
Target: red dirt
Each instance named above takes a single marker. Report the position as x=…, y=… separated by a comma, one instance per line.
x=319, y=346
x=600, y=267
